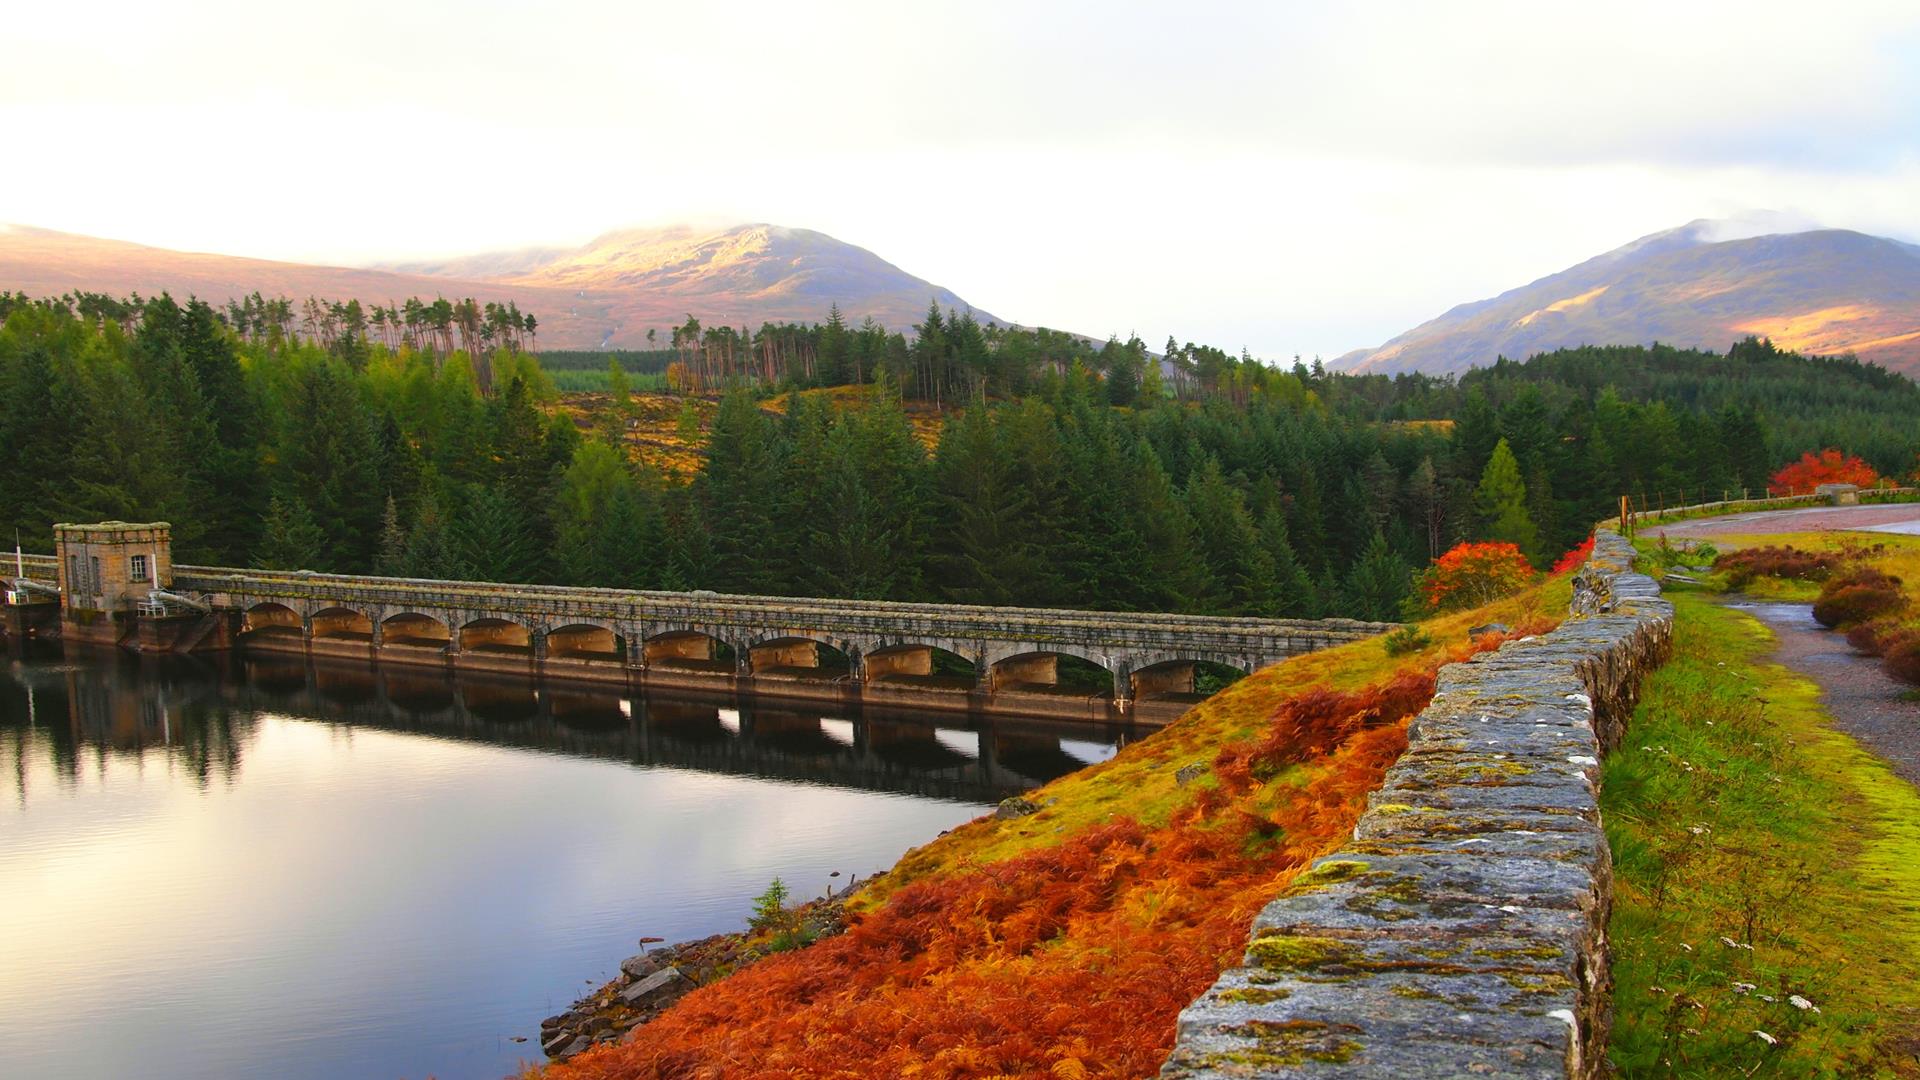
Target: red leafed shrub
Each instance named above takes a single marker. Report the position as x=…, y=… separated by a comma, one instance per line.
x=1474, y=574
x=1071, y=960
x=1829, y=466
x=1877, y=637
x=1903, y=660
x=1574, y=559
x=1857, y=596
x=1781, y=562
x=1854, y=604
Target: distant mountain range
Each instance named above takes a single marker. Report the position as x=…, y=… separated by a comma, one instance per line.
x=1822, y=291
x=607, y=294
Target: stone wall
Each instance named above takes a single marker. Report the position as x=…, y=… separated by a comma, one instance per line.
x=1463, y=931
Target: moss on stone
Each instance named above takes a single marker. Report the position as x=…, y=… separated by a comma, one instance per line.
x=1289, y=952
x=1278, y=1044
x=1331, y=872
x=1255, y=995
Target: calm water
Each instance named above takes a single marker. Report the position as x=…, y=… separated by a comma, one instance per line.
x=268, y=868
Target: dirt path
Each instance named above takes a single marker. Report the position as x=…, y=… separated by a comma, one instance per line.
x=1893, y=518
x=1864, y=701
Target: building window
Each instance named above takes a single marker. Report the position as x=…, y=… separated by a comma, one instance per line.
x=138, y=570
x=93, y=582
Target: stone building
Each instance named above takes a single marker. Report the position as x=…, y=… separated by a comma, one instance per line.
x=112, y=566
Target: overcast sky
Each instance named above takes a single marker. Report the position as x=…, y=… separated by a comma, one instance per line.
x=1290, y=178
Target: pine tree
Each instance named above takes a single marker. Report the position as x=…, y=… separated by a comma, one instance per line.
x=493, y=538
x=1378, y=582
x=740, y=493
x=391, y=561
x=1294, y=596
x=1227, y=541
x=290, y=538
x=1501, y=503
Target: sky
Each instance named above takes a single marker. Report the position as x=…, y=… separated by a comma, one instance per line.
x=1291, y=178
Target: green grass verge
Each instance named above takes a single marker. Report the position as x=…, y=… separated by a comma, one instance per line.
x=1759, y=856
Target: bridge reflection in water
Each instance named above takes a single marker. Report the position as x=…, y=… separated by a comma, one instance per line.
x=202, y=704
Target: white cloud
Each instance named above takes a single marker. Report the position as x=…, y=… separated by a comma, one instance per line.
x=1290, y=177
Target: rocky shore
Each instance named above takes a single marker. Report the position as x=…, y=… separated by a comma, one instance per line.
x=655, y=978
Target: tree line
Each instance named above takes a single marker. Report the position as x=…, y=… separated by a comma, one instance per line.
x=1065, y=474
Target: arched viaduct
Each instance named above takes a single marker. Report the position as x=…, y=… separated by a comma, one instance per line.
x=934, y=655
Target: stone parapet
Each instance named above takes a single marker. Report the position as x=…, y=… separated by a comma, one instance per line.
x=1463, y=931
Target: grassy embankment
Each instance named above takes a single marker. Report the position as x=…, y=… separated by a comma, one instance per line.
x=1065, y=942
x=1767, y=911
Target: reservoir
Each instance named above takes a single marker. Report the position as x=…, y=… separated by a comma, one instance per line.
x=274, y=866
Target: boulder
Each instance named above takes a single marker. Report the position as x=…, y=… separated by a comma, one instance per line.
x=1490, y=628
x=1187, y=774
x=557, y=1043
x=639, y=967
x=1014, y=808
x=659, y=988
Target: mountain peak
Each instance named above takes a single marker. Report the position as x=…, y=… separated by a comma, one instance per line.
x=606, y=293
x=1702, y=285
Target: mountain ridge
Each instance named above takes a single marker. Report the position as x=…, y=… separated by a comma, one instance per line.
x=1816, y=290
x=605, y=294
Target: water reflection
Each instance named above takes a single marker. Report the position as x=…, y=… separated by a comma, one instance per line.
x=260, y=865
x=201, y=707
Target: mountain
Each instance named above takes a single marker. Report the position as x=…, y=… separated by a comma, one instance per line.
x=1703, y=285
x=606, y=294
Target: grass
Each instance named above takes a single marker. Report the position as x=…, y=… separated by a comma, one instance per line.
x=1759, y=857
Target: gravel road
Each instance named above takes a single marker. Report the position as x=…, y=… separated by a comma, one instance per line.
x=1892, y=517
x=1864, y=700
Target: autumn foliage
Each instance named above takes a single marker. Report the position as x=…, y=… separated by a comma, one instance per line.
x=1828, y=466
x=1574, y=558
x=1066, y=960
x=1473, y=574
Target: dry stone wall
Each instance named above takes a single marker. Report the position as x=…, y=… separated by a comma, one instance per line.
x=1463, y=931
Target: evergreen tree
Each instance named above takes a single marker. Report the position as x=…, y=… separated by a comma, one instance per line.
x=740, y=493
x=1294, y=595
x=290, y=538
x=1378, y=582
x=1227, y=542
x=332, y=463
x=493, y=538
x=1501, y=503
x=391, y=559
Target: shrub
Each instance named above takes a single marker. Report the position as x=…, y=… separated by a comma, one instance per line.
x=1780, y=562
x=1407, y=639
x=1575, y=558
x=1829, y=466
x=1866, y=637
x=1852, y=604
x=1903, y=660
x=1473, y=574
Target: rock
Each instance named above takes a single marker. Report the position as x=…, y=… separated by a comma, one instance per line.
x=1187, y=774
x=661, y=987
x=578, y=1046
x=639, y=967
x=1014, y=808
x=557, y=1043
x=1490, y=628
x=552, y=1022
x=597, y=1025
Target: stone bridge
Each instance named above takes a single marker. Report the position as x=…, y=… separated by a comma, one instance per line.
x=861, y=649
x=1025, y=660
